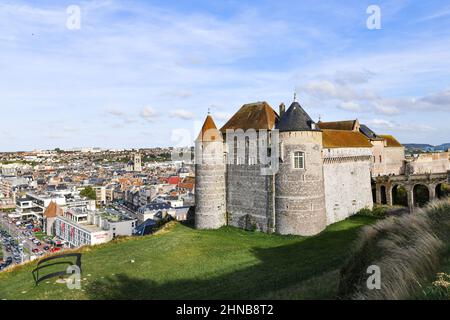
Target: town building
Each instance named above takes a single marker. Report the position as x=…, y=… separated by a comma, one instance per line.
x=80, y=227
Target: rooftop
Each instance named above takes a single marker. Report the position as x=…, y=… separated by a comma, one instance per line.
x=296, y=119
x=338, y=125
x=257, y=116
x=391, y=141
x=344, y=139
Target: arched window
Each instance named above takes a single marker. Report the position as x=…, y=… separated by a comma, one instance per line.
x=299, y=160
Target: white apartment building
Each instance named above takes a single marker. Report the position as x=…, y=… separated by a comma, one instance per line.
x=80, y=227
x=100, y=193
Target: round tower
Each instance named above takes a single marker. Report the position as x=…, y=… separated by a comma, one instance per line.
x=299, y=183
x=210, y=193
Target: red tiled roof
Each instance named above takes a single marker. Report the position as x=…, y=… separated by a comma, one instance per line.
x=173, y=180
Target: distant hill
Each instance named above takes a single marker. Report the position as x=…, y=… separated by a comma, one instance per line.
x=426, y=147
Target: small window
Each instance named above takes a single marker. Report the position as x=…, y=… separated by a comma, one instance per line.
x=380, y=159
x=299, y=160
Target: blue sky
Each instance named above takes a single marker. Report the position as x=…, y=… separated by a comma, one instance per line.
x=144, y=73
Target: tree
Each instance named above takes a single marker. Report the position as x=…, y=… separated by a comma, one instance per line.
x=89, y=193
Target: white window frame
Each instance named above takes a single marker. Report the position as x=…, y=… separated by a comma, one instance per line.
x=294, y=157
x=252, y=161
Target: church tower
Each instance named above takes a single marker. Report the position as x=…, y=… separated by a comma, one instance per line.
x=210, y=193
x=299, y=183
x=137, y=162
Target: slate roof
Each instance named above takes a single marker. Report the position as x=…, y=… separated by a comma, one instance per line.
x=365, y=130
x=296, y=119
x=258, y=116
x=344, y=139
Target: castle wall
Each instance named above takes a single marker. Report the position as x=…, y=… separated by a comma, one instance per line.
x=347, y=182
x=395, y=160
x=387, y=160
x=436, y=162
x=249, y=200
x=300, y=196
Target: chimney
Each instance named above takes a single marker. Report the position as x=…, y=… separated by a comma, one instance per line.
x=282, y=109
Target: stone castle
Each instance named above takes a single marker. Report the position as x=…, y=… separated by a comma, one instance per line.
x=324, y=170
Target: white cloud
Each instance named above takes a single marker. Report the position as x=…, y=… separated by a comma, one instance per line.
x=384, y=124
x=350, y=106
x=221, y=116
x=183, y=114
x=440, y=100
x=149, y=113
x=115, y=112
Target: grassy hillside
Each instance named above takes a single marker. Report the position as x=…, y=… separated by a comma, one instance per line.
x=409, y=250
x=189, y=264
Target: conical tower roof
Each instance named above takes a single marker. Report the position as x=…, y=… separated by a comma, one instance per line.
x=296, y=119
x=209, y=132
x=52, y=210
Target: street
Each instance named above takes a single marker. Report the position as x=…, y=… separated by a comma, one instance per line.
x=17, y=234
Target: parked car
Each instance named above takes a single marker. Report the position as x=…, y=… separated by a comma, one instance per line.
x=56, y=249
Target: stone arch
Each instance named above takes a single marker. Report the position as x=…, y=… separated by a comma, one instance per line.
x=399, y=195
x=383, y=195
x=442, y=190
x=421, y=195
x=374, y=193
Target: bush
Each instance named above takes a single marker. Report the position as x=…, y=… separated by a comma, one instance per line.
x=407, y=249
x=376, y=212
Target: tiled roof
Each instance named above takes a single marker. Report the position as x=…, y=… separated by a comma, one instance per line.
x=209, y=131
x=337, y=125
x=391, y=141
x=344, y=139
x=173, y=180
x=52, y=210
x=258, y=116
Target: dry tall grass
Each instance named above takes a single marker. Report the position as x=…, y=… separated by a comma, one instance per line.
x=408, y=249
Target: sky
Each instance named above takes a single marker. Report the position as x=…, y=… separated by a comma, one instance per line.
x=141, y=74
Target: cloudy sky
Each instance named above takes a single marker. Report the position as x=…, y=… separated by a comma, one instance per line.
x=145, y=73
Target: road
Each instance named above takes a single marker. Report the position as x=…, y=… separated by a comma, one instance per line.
x=16, y=233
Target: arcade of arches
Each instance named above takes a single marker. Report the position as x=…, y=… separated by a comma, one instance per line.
x=412, y=191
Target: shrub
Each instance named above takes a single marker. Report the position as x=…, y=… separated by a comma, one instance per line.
x=376, y=212
x=408, y=250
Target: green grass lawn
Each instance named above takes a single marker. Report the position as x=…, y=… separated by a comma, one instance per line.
x=184, y=263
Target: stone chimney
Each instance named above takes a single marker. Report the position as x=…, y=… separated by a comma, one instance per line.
x=282, y=109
